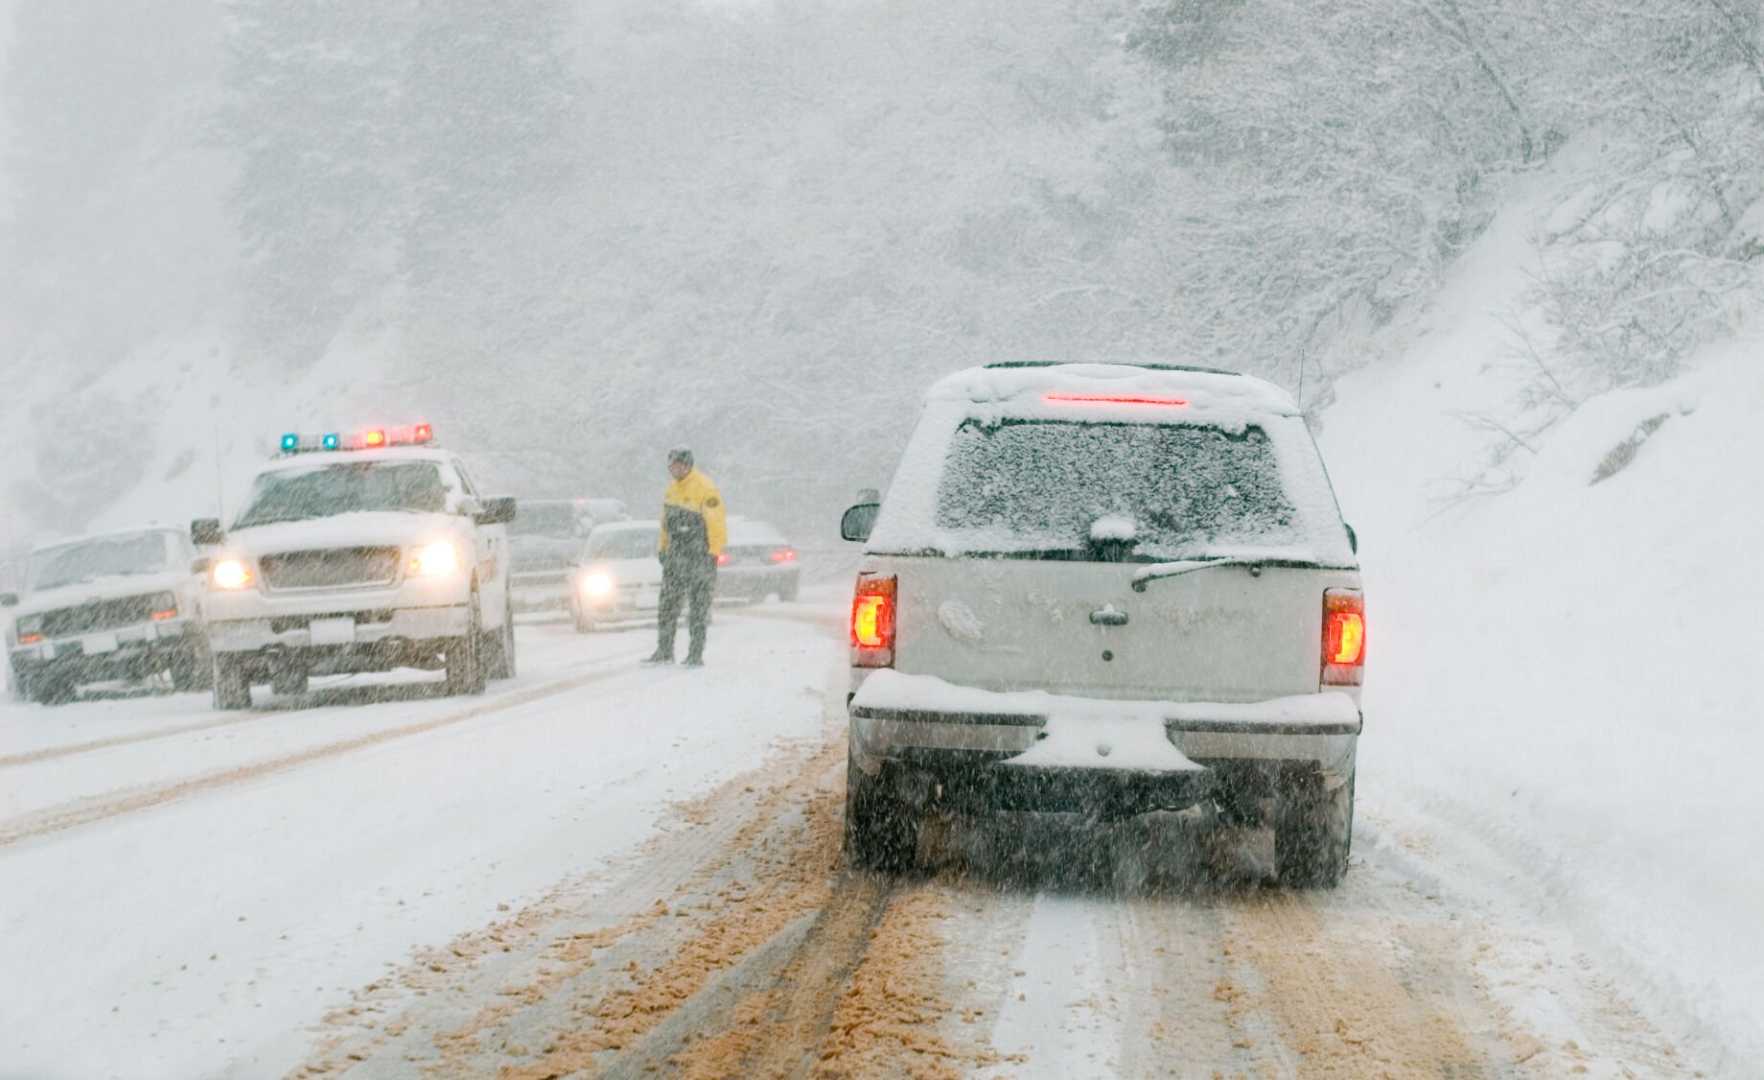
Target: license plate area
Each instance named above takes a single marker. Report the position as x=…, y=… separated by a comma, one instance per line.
x=99, y=644
x=332, y=631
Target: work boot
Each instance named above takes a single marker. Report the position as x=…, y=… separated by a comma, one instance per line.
x=659, y=657
x=695, y=659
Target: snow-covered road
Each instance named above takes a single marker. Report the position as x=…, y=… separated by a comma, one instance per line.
x=601, y=868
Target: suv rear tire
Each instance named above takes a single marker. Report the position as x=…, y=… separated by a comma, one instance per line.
x=881, y=830
x=232, y=685
x=1313, y=833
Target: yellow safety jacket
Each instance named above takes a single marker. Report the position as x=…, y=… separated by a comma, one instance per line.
x=693, y=514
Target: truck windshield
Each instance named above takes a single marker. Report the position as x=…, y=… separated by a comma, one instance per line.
x=89, y=560
x=325, y=490
x=1171, y=489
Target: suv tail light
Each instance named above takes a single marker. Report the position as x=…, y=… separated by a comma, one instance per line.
x=872, y=623
x=1344, y=637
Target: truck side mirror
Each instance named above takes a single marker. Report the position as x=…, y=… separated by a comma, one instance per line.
x=207, y=532
x=8, y=599
x=859, y=521
x=1353, y=538
x=498, y=511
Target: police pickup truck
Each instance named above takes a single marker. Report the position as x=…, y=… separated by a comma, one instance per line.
x=359, y=553
x=112, y=606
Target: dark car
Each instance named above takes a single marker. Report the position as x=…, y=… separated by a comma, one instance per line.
x=756, y=563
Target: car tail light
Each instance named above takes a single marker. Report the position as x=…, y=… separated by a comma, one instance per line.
x=872, y=622
x=1344, y=637
x=784, y=555
x=723, y=558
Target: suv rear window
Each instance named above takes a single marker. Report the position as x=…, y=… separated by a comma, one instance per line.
x=1186, y=488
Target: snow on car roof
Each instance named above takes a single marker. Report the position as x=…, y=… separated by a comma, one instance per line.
x=1209, y=394
x=110, y=534
x=350, y=457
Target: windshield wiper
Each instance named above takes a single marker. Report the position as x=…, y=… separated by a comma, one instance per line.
x=1190, y=566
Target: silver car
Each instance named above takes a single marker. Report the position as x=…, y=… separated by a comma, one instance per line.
x=1112, y=590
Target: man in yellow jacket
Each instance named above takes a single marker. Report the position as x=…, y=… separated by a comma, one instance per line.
x=693, y=533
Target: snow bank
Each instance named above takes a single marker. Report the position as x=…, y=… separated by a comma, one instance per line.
x=1570, y=669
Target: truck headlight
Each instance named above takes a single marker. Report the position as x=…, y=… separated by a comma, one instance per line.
x=440, y=559
x=597, y=585
x=230, y=575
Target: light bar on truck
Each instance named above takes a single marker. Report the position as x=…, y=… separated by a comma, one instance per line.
x=369, y=439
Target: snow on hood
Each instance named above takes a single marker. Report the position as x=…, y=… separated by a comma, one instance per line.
x=379, y=528
x=104, y=588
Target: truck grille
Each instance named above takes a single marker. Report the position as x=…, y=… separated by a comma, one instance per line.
x=101, y=615
x=337, y=568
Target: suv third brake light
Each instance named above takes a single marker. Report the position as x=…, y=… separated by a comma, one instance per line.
x=1344, y=637
x=872, y=623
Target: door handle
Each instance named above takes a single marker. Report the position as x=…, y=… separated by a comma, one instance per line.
x=1108, y=616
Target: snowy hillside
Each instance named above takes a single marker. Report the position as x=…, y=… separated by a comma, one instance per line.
x=1568, y=670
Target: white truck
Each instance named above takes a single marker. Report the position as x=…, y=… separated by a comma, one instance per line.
x=1112, y=590
x=119, y=605
x=358, y=553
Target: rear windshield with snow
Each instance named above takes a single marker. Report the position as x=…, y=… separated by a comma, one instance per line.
x=1174, y=489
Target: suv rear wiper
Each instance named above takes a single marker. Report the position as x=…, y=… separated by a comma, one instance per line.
x=1255, y=563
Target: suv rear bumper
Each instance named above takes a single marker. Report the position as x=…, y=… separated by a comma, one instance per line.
x=970, y=753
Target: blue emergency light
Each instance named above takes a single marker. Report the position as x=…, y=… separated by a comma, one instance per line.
x=290, y=443
x=332, y=442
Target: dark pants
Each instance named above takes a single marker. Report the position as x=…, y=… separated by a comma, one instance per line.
x=689, y=580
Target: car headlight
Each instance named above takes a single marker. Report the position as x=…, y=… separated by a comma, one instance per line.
x=230, y=575
x=597, y=585
x=440, y=559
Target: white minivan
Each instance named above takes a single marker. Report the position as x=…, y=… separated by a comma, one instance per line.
x=1107, y=589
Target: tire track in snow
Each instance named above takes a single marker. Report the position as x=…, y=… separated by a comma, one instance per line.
x=90, y=811
x=51, y=753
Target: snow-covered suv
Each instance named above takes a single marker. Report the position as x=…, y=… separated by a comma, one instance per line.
x=1108, y=589
x=113, y=606
x=359, y=554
